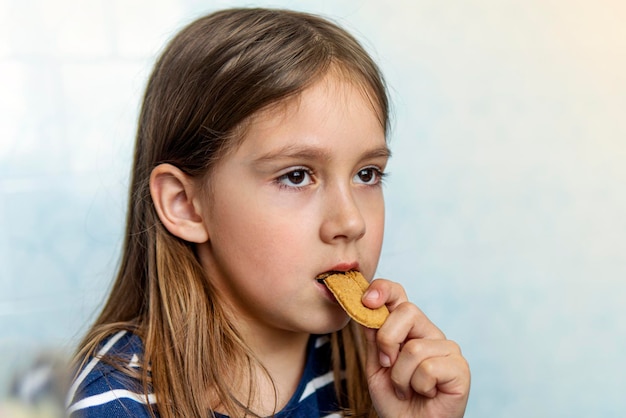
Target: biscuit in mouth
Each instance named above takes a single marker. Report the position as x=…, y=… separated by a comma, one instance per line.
x=348, y=288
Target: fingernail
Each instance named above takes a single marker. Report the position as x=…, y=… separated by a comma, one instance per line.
x=400, y=395
x=372, y=295
x=384, y=360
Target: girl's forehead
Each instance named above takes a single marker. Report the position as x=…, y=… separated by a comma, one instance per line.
x=331, y=115
x=335, y=89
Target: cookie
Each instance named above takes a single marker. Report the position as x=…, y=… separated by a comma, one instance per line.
x=348, y=288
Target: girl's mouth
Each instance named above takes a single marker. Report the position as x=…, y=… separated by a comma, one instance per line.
x=324, y=287
x=326, y=291
x=320, y=277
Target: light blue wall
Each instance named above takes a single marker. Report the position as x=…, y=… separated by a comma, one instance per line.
x=506, y=200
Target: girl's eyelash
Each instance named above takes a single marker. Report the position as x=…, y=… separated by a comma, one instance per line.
x=310, y=177
x=280, y=179
x=382, y=175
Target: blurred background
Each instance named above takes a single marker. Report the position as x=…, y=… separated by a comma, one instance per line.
x=506, y=200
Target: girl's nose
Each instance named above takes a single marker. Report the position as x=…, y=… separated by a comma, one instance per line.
x=343, y=220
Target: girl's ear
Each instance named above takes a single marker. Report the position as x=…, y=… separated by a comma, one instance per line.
x=173, y=194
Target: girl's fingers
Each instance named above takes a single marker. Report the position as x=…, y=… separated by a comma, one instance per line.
x=384, y=292
x=427, y=367
x=440, y=375
x=407, y=322
x=410, y=356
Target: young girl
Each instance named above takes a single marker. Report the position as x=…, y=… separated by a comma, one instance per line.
x=260, y=152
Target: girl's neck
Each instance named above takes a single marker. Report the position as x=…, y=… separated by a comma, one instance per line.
x=281, y=357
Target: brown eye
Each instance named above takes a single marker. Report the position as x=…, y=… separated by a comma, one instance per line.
x=368, y=176
x=297, y=178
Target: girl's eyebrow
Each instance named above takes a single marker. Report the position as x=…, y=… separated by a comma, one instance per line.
x=295, y=151
x=380, y=152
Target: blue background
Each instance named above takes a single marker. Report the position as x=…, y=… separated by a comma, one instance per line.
x=506, y=201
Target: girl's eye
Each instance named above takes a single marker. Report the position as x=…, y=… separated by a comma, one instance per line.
x=297, y=178
x=369, y=176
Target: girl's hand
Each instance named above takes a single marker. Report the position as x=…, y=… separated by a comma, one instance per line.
x=412, y=369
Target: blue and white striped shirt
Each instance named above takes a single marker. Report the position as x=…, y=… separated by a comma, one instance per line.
x=100, y=390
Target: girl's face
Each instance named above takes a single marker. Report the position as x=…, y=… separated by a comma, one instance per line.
x=301, y=195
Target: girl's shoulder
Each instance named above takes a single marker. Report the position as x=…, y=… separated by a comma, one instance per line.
x=108, y=384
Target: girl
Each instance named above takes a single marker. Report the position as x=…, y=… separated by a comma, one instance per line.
x=260, y=152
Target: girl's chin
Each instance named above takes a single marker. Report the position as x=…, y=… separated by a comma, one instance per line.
x=336, y=322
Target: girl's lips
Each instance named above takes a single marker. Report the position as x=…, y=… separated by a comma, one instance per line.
x=326, y=291
x=320, y=277
x=338, y=269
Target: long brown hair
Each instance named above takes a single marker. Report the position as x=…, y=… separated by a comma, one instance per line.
x=211, y=78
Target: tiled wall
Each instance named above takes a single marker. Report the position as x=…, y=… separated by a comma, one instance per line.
x=506, y=198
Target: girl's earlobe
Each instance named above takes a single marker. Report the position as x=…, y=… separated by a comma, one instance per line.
x=173, y=195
